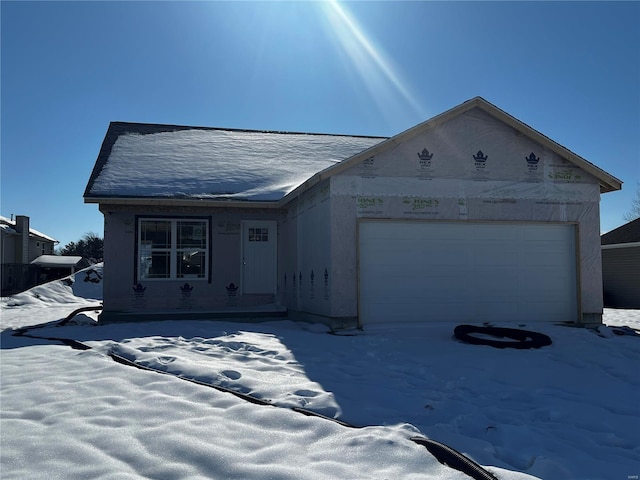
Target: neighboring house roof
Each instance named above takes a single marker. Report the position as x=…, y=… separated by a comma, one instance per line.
x=7, y=225
x=142, y=162
x=168, y=161
x=627, y=233
x=57, y=261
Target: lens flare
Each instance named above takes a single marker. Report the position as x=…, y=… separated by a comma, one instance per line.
x=375, y=71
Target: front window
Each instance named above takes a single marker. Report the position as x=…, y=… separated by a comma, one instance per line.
x=172, y=249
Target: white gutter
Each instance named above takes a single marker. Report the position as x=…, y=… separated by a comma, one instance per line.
x=181, y=202
x=620, y=245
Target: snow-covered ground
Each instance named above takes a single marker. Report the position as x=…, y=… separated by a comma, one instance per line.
x=566, y=411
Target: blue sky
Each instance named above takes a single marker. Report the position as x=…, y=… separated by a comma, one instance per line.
x=569, y=69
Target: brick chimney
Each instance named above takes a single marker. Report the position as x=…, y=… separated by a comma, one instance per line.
x=22, y=248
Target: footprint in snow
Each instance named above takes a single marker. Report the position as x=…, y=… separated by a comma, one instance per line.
x=306, y=393
x=231, y=374
x=166, y=360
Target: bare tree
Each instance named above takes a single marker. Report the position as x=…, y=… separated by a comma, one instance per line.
x=635, y=206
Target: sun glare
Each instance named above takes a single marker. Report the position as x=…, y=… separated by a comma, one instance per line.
x=376, y=72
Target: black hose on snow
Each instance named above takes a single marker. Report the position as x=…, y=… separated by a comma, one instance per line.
x=454, y=459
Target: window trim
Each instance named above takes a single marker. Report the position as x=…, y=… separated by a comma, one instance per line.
x=173, y=250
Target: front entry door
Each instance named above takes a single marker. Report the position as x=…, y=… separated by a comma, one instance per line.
x=259, y=257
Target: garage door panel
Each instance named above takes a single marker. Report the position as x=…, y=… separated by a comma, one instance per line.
x=550, y=233
x=436, y=311
x=425, y=290
x=412, y=271
x=413, y=253
x=497, y=281
x=415, y=272
x=536, y=310
x=405, y=252
x=490, y=234
x=538, y=255
x=538, y=278
x=500, y=256
x=507, y=309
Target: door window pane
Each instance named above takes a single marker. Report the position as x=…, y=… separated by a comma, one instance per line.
x=258, y=234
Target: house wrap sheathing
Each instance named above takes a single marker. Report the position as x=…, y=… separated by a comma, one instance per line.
x=470, y=216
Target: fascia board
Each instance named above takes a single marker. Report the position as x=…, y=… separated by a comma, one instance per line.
x=612, y=246
x=608, y=183
x=381, y=147
x=178, y=202
x=43, y=237
x=333, y=170
x=105, y=149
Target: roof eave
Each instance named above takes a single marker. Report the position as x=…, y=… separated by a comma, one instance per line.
x=332, y=170
x=608, y=183
x=43, y=238
x=179, y=202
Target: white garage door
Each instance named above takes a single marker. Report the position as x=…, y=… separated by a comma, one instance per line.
x=466, y=272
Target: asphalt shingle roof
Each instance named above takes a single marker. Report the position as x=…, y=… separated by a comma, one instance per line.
x=627, y=233
x=164, y=161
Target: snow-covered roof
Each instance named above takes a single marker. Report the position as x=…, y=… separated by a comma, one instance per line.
x=164, y=161
x=159, y=162
x=8, y=226
x=57, y=260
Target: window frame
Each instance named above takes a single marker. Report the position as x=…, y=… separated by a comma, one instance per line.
x=173, y=249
